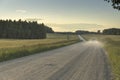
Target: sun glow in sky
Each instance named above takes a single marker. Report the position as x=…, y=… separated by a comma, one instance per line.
x=63, y=15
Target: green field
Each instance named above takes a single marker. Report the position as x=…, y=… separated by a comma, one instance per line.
x=112, y=46
x=13, y=48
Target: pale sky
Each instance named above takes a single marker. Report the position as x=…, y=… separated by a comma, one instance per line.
x=63, y=15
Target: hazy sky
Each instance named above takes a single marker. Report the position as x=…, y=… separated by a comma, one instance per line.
x=63, y=15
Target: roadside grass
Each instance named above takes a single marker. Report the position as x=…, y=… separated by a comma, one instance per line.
x=13, y=48
x=112, y=46
x=61, y=36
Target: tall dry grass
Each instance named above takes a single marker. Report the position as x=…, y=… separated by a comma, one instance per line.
x=12, y=48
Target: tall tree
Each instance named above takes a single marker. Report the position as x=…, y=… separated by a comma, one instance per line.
x=115, y=3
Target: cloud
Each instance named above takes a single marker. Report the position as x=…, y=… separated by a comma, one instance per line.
x=33, y=19
x=21, y=11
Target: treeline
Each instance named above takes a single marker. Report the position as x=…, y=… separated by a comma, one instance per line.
x=112, y=31
x=23, y=30
x=85, y=32
x=65, y=33
x=78, y=32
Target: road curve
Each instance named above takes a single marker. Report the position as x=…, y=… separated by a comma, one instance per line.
x=81, y=61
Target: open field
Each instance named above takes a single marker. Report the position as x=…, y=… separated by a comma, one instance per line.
x=12, y=48
x=112, y=46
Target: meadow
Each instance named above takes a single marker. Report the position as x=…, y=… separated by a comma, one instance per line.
x=111, y=44
x=15, y=48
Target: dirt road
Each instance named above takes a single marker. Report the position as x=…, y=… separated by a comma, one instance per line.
x=81, y=61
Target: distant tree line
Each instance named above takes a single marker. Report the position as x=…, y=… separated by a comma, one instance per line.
x=65, y=32
x=112, y=31
x=85, y=32
x=23, y=29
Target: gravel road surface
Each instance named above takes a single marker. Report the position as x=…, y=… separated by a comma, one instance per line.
x=81, y=61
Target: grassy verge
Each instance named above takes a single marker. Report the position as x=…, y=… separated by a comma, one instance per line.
x=112, y=46
x=11, y=49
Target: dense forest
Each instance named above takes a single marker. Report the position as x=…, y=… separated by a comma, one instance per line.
x=23, y=29
x=112, y=31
